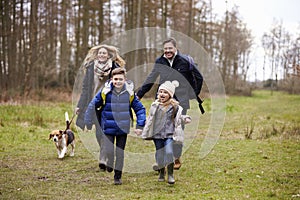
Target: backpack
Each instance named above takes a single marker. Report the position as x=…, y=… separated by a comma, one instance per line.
x=194, y=84
x=194, y=80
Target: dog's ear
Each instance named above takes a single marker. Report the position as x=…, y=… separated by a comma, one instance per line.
x=61, y=132
x=50, y=136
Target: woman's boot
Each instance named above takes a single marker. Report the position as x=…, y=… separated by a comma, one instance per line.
x=171, y=179
x=161, y=177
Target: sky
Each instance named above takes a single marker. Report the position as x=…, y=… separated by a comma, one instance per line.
x=259, y=15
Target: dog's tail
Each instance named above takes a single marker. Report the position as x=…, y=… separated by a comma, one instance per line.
x=68, y=122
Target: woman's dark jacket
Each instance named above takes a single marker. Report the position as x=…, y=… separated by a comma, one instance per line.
x=181, y=71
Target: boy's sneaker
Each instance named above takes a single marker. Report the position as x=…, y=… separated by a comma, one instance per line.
x=117, y=181
x=102, y=167
x=109, y=169
x=177, y=164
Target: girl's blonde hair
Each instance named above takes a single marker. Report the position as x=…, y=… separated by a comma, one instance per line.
x=113, y=53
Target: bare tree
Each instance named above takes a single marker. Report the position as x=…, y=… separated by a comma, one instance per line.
x=44, y=42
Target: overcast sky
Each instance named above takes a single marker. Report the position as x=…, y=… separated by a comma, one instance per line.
x=259, y=15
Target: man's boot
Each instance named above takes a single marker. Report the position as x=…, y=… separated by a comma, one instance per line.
x=171, y=179
x=161, y=177
x=177, y=164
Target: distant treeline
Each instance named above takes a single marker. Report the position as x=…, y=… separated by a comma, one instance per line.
x=43, y=43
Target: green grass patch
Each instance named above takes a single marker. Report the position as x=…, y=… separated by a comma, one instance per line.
x=264, y=165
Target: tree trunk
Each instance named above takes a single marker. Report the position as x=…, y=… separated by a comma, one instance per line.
x=85, y=29
x=78, y=34
x=101, y=19
x=64, y=49
x=5, y=32
x=30, y=75
x=12, y=49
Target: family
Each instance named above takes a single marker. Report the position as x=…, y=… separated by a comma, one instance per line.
x=108, y=98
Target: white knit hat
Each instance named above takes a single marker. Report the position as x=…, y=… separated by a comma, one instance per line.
x=169, y=86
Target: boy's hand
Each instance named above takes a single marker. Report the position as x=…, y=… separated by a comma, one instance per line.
x=138, y=131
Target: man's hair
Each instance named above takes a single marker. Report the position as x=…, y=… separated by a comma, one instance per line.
x=119, y=70
x=172, y=40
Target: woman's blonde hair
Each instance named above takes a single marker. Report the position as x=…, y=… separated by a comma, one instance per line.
x=113, y=53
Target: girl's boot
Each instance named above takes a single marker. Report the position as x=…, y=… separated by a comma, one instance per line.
x=161, y=177
x=171, y=179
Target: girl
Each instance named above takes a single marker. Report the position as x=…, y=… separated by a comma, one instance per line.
x=163, y=125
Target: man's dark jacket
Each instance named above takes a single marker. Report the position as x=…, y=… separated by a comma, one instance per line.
x=181, y=71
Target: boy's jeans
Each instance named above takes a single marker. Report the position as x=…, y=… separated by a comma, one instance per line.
x=110, y=152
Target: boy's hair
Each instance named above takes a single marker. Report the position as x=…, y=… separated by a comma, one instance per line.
x=172, y=40
x=119, y=70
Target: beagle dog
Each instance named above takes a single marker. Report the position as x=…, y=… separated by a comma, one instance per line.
x=63, y=138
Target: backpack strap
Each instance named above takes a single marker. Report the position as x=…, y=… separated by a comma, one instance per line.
x=191, y=64
x=104, y=91
x=190, y=60
x=130, y=89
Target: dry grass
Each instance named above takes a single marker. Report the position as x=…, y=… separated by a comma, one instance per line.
x=264, y=167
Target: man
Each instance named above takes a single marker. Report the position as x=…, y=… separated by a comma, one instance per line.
x=173, y=65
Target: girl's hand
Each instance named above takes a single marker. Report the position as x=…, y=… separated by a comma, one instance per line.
x=187, y=119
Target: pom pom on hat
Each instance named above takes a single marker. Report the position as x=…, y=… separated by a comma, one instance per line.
x=169, y=86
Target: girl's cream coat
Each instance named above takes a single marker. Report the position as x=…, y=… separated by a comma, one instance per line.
x=178, y=135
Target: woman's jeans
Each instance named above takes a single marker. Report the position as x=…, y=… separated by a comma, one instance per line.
x=109, y=143
x=164, y=151
x=100, y=139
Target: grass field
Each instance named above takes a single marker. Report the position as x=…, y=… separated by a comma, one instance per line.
x=256, y=157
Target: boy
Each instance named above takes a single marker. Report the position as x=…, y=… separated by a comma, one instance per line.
x=113, y=109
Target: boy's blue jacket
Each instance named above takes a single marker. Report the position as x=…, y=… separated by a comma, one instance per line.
x=113, y=110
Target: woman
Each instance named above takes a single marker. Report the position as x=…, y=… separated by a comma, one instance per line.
x=97, y=65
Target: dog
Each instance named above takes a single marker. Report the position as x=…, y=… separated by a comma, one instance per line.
x=64, y=138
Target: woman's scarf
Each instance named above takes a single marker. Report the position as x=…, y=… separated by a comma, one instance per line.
x=102, y=69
